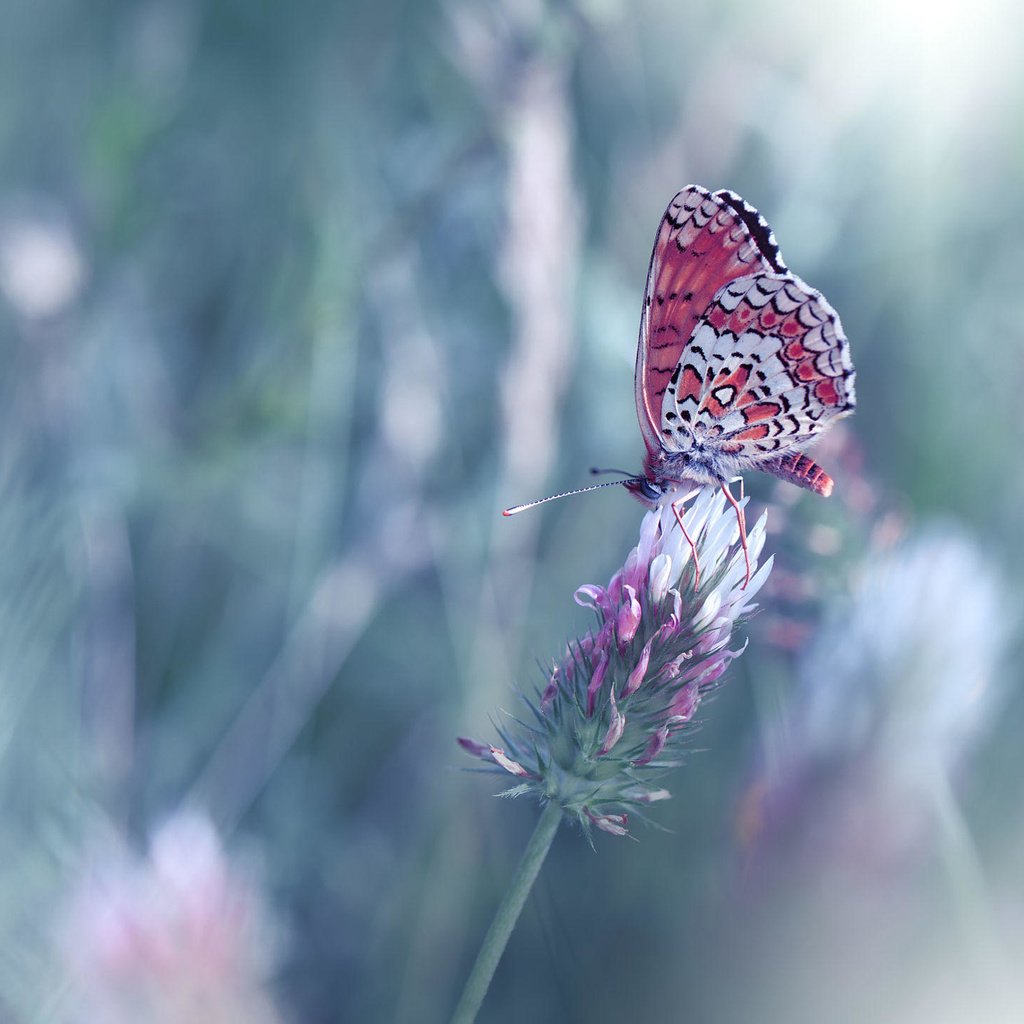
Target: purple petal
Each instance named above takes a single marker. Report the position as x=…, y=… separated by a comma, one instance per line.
x=632, y=570
x=550, y=691
x=592, y=596
x=629, y=617
x=636, y=677
x=474, y=748
x=655, y=745
x=595, y=682
x=710, y=669
x=685, y=702
x=615, y=588
x=672, y=669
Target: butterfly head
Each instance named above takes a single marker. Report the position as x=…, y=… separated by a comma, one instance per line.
x=645, y=490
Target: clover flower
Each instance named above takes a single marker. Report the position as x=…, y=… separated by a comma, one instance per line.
x=614, y=713
x=176, y=937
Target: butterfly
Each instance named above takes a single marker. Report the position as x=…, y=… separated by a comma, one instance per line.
x=740, y=364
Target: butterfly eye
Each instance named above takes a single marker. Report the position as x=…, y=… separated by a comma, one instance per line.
x=649, y=490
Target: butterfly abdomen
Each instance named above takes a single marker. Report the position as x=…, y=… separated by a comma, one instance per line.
x=802, y=471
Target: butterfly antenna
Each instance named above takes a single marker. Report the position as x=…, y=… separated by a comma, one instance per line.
x=565, y=494
x=596, y=472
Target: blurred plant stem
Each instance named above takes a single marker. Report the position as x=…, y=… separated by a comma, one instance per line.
x=507, y=914
x=535, y=269
x=969, y=889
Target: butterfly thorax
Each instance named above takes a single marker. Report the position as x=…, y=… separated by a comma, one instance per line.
x=695, y=460
x=665, y=472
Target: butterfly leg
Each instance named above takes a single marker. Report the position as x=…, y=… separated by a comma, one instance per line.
x=741, y=514
x=741, y=521
x=677, y=507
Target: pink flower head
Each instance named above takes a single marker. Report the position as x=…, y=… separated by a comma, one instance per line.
x=178, y=935
x=620, y=701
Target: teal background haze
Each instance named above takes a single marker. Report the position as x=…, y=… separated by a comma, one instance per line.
x=295, y=298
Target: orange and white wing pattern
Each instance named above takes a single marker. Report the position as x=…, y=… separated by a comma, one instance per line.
x=704, y=242
x=743, y=357
x=767, y=368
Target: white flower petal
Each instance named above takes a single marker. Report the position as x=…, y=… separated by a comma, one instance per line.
x=661, y=574
x=708, y=611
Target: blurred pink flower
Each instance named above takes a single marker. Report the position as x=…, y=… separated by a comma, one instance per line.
x=178, y=936
x=614, y=712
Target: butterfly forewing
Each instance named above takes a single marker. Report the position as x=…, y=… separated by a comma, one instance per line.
x=703, y=243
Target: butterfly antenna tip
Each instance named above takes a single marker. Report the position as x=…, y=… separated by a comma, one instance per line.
x=554, y=497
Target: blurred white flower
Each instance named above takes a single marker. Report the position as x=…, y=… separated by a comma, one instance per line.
x=41, y=268
x=894, y=692
x=909, y=671
x=179, y=937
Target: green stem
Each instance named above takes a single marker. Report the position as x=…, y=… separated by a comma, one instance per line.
x=507, y=914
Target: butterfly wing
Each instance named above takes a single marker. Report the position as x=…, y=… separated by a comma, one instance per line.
x=766, y=369
x=704, y=242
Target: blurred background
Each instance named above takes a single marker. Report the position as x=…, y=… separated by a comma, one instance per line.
x=294, y=299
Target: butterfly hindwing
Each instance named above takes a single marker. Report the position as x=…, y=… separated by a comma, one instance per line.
x=766, y=369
